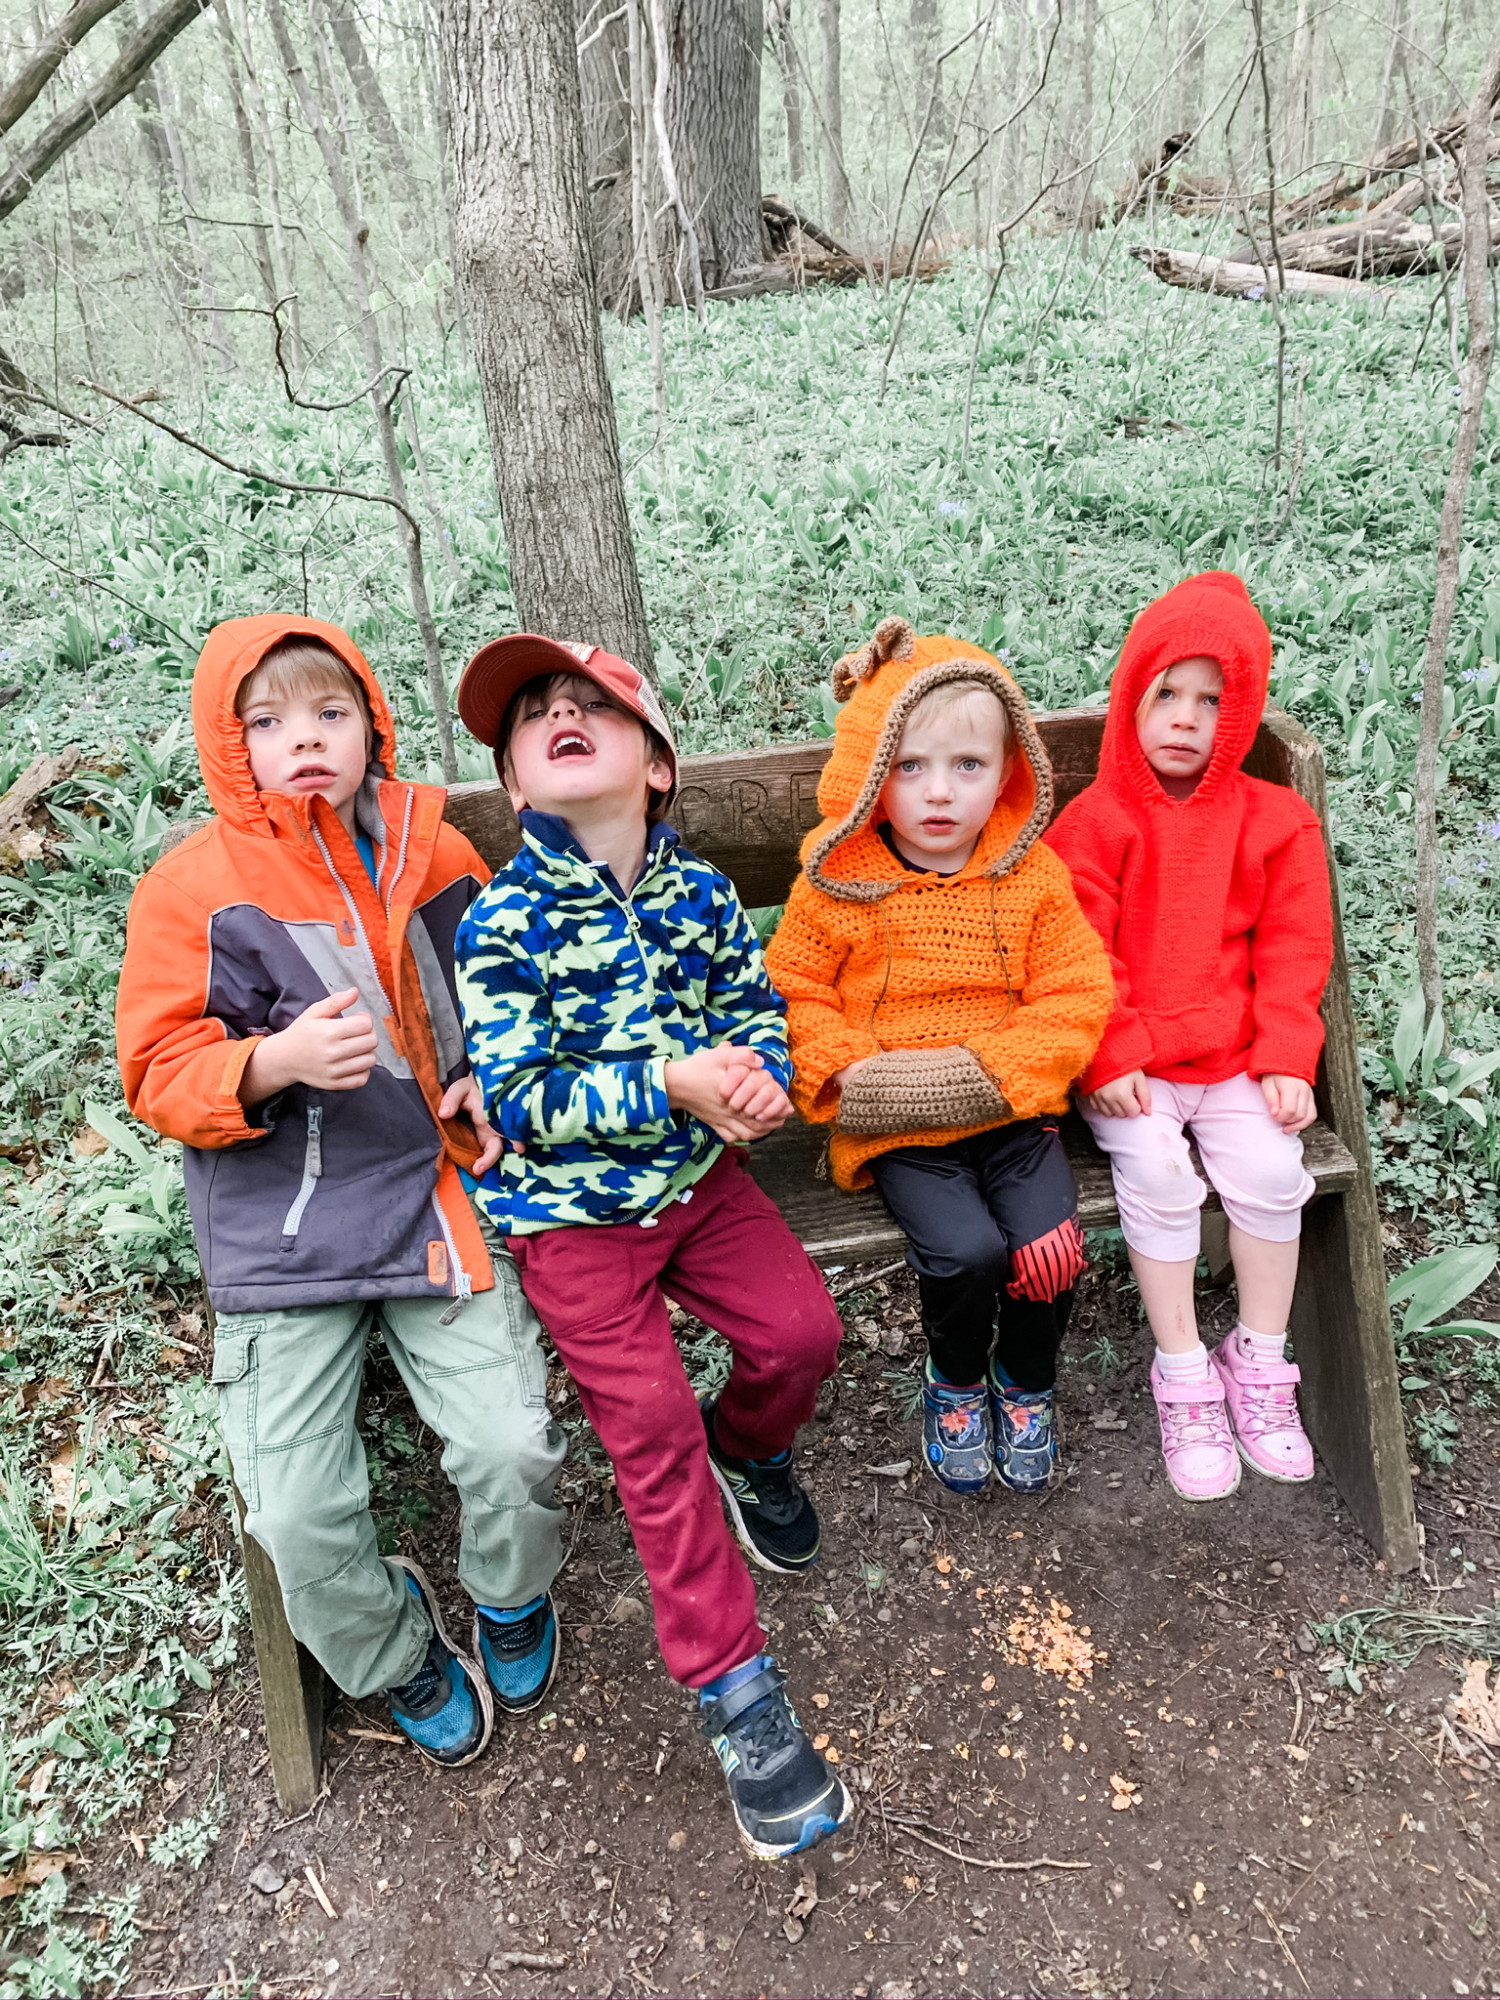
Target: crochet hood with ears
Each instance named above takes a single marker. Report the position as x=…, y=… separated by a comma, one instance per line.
x=230, y=655
x=880, y=684
x=1208, y=616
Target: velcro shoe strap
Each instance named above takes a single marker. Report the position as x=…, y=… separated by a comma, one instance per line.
x=726, y=1709
x=1209, y=1390
x=1268, y=1375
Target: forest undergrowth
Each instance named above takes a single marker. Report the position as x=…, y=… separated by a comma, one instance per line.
x=1119, y=436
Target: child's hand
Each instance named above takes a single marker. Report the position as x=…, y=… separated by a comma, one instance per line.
x=464, y=1098
x=841, y=1076
x=1126, y=1097
x=319, y=1049
x=754, y=1094
x=1290, y=1102
x=702, y=1084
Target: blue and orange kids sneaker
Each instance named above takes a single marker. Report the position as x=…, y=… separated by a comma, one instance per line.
x=445, y=1708
x=785, y=1797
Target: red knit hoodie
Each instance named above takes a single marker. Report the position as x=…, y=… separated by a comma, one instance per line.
x=1214, y=909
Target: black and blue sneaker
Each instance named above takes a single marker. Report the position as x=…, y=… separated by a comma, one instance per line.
x=1025, y=1436
x=445, y=1708
x=776, y=1523
x=958, y=1439
x=785, y=1797
x=518, y=1650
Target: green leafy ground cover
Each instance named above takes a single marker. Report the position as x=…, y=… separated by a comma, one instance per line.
x=1121, y=436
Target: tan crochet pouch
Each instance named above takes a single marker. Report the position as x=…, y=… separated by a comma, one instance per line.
x=920, y=1090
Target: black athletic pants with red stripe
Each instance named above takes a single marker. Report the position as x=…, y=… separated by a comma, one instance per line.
x=992, y=1232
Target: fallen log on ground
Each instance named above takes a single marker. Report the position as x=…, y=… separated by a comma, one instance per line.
x=1202, y=273
x=1393, y=247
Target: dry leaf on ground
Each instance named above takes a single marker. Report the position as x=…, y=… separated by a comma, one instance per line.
x=1477, y=1703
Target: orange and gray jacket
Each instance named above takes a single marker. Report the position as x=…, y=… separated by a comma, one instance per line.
x=313, y=1197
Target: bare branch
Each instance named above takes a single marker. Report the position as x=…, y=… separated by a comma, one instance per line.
x=84, y=113
x=249, y=471
x=53, y=49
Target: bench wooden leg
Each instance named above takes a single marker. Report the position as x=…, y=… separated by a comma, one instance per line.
x=291, y=1682
x=1215, y=1242
x=1351, y=1394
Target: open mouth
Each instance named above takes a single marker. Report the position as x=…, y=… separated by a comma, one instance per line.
x=571, y=744
x=312, y=774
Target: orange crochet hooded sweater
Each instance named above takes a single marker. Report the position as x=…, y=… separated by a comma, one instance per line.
x=997, y=960
x=1215, y=908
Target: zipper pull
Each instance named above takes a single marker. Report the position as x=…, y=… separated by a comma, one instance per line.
x=315, y=1140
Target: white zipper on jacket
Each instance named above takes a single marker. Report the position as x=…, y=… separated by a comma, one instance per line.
x=354, y=918
x=401, y=849
x=312, y=1172
x=463, y=1284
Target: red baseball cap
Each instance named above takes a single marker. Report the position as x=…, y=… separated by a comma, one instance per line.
x=499, y=670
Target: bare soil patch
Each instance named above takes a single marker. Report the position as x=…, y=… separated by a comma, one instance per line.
x=1106, y=1676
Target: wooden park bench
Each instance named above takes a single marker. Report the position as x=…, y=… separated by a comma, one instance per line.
x=746, y=812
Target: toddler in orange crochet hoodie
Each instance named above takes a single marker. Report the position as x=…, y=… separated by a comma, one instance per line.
x=943, y=991
x=1210, y=889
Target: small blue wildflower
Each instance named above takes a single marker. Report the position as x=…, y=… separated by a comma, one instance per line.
x=26, y=988
x=1470, y=674
x=1490, y=828
x=1257, y=292
x=950, y=507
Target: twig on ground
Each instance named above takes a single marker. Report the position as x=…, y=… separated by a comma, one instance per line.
x=320, y=1892
x=529, y=1961
x=981, y=1861
x=1286, y=1948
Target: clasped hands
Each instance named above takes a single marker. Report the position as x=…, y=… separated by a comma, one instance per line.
x=327, y=1049
x=730, y=1090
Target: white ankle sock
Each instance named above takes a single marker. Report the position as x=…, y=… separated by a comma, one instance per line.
x=1189, y=1367
x=1266, y=1348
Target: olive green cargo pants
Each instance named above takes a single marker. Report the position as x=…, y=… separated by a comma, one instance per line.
x=289, y=1387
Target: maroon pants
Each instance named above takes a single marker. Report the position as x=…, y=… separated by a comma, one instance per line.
x=726, y=1255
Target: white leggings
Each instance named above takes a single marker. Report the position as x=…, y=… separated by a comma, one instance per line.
x=1256, y=1167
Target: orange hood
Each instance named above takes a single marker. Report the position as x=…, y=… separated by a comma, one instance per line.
x=231, y=653
x=880, y=684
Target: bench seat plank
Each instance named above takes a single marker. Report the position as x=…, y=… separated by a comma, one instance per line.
x=856, y=1228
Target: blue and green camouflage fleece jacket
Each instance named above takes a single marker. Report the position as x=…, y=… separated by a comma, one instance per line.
x=576, y=996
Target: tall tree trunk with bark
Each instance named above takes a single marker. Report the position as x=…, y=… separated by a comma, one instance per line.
x=604, y=80
x=831, y=118
x=521, y=228
x=779, y=31
x=707, y=56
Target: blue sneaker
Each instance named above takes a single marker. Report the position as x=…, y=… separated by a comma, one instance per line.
x=958, y=1441
x=518, y=1650
x=1025, y=1437
x=445, y=1708
x=785, y=1797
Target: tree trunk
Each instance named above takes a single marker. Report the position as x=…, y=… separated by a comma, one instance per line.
x=172, y=164
x=779, y=28
x=832, y=116
x=260, y=236
x=521, y=227
x=604, y=80
x=1473, y=383
x=367, y=89
x=1305, y=86
x=708, y=52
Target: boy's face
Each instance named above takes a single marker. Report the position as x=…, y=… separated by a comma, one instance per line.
x=303, y=744
x=1177, y=731
x=572, y=752
x=949, y=767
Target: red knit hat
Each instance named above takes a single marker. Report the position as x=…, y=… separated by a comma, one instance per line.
x=1210, y=617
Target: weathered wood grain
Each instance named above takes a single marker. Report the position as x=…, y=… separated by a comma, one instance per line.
x=291, y=1682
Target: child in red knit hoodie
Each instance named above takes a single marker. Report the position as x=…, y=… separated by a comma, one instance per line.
x=1210, y=891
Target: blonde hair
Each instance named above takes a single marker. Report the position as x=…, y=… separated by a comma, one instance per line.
x=300, y=669
x=948, y=694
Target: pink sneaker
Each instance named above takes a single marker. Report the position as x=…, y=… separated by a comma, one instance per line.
x=1262, y=1398
x=1195, y=1437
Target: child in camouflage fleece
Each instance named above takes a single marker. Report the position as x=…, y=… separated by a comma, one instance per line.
x=625, y=1038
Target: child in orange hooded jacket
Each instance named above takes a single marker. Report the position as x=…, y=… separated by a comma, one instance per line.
x=1210, y=891
x=286, y=1010
x=943, y=991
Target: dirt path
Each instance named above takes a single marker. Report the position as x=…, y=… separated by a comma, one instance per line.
x=1107, y=1677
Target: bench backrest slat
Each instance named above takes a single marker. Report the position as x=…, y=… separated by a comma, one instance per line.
x=746, y=811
